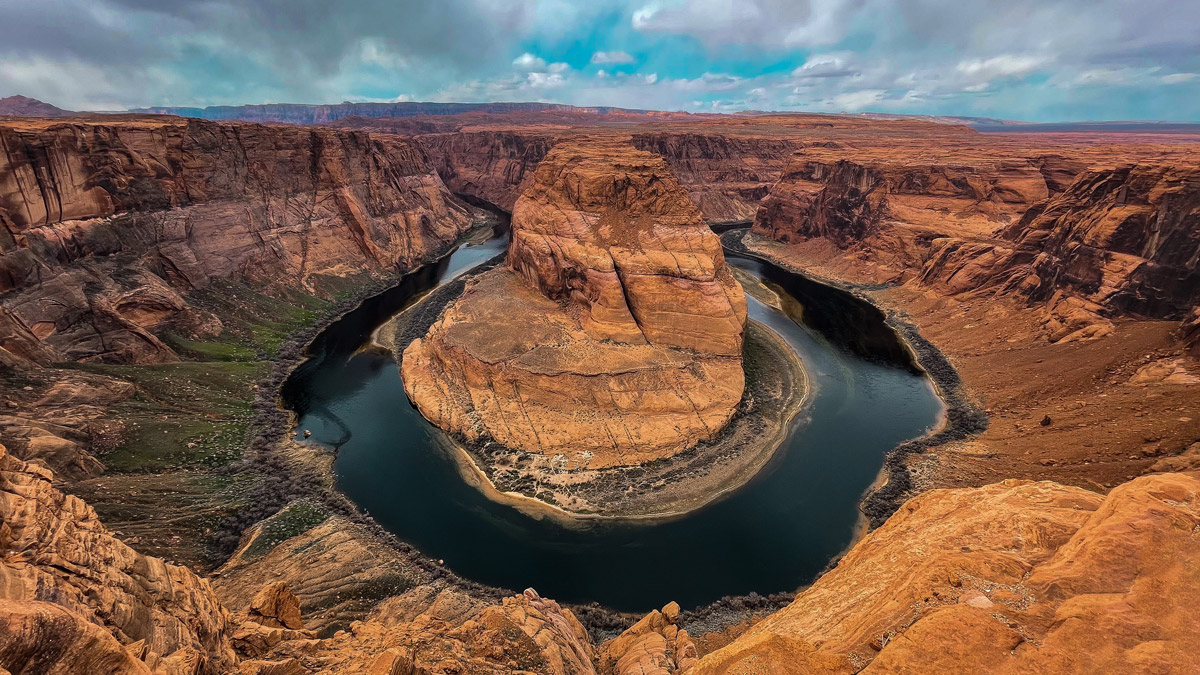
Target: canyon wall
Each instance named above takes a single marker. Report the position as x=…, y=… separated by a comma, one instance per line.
x=847, y=195
x=494, y=166
x=614, y=334
x=1107, y=242
x=1124, y=240
x=727, y=175
x=107, y=225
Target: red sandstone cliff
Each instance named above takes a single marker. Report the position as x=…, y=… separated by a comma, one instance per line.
x=1126, y=240
x=1113, y=241
x=726, y=175
x=1016, y=577
x=494, y=166
x=105, y=225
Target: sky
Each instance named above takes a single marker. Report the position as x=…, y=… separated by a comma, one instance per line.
x=1035, y=60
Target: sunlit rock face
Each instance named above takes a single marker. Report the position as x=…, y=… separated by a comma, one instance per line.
x=614, y=334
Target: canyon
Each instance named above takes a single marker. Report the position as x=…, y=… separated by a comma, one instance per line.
x=153, y=268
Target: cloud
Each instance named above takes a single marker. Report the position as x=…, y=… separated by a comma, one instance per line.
x=528, y=61
x=708, y=82
x=770, y=23
x=1004, y=65
x=1179, y=78
x=856, y=100
x=826, y=65
x=611, y=58
x=1024, y=59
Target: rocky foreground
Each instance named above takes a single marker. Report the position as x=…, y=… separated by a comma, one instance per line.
x=612, y=337
x=1018, y=576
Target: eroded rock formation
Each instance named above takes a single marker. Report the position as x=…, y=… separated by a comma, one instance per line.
x=1117, y=241
x=107, y=224
x=614, y=334
x=849, y=196
x=76, y=600
x=727, y=175
x=70, y=584
x=1106, y=242
x=494, y=166
x=1012, y=577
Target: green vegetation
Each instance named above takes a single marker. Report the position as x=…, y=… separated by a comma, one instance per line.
x=254, y=324
x=195, y=414
x=211, y=350
x=183, y=415
x=294, y=519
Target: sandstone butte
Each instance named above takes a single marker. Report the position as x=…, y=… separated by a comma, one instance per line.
x=1057, y=273
x=613, y=335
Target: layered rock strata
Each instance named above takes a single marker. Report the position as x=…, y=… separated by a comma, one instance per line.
x=1012, y=577
x=495, y=166
x=612, y=337
x=108, y=223
x=1085, y=245
x=849, y=196
x=726, y=175
x=1117, y=241
x=73, y=593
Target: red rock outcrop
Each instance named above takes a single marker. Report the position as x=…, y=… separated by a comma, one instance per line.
x=1012, y=577
x=1121, y=241
x=23, y=106
x=727, y=175
x=847, y=196
x=655, y=644
x=494, y=166
x=75, y=595
x=1112, y=241
x=107, y=224
x=613, y=336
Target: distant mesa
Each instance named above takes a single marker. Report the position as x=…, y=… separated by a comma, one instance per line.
x=23, y=106
x=304, y=113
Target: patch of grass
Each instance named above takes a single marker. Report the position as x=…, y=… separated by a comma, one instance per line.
x=254, y=322
x=205, y=350
x=294, y=519
x=183, y=415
